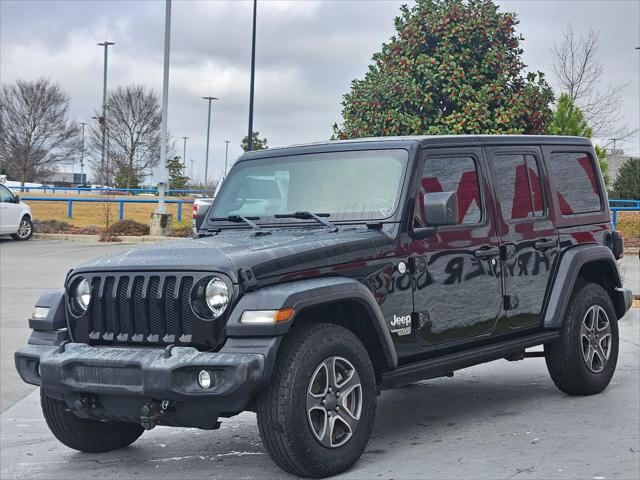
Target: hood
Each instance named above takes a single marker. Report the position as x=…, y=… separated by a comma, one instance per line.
x=283, y=251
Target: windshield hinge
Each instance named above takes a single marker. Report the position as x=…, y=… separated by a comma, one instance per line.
x=247, y=278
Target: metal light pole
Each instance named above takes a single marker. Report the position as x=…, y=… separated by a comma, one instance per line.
x=103, y=119
x=206, y=161
x=253, y=76
x=163, y=177
x=226, y=156
x=191, y=169
x=82, y=155
x=184, y=156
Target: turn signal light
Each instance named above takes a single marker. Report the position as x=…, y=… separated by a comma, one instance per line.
x=267, y=316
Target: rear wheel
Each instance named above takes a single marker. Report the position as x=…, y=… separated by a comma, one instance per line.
x=316, y=415
x=582, y=361
x=90, y=436
x=25, y=229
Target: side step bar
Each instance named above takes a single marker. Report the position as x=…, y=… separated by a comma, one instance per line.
x=445, y=364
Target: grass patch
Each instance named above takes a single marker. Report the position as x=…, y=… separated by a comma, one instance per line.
x=86, y=214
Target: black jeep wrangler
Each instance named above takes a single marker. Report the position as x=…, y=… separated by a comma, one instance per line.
x=326, y=273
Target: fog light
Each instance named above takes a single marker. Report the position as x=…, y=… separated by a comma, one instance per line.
x=204, y=379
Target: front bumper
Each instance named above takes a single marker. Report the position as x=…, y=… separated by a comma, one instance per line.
x=118, y=382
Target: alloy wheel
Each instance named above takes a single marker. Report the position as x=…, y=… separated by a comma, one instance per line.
x=334, y=401
x=24, y=230
x=595, y=338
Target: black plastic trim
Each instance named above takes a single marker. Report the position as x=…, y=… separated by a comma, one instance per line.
x=445, y=364
x=306, y=293
x=571, y=262
x=56, y=318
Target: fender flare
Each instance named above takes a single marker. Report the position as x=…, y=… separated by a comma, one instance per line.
x=566, y=276
x=51, y=330
x=302, y=294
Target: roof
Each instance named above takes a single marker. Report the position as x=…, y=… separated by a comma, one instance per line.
x=424, y=141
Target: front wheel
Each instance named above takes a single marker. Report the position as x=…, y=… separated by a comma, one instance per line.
x=583, y=360
x=25, y=229
x=316, y=415
x=92, y=436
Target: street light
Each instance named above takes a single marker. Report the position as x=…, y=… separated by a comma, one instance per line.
x=103, y=120
x=184, y=156
x=82, y=155
x=206, y=161
x=163, y=180
x=226, y=156
x=253, y=76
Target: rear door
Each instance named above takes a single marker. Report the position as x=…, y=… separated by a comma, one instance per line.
x=458, y=286
x=529, y=239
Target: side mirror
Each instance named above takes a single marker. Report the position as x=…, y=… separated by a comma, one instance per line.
x=16, y=199
x=440, y=209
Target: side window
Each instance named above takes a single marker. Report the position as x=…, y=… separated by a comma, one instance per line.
x=454, y=174
x=518, y=186
x=5, y=194
x=576, y=181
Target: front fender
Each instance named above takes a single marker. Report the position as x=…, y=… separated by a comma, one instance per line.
x=306, y=293
x=567, y=273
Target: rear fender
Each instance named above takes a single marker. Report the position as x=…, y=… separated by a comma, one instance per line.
x=594, y=263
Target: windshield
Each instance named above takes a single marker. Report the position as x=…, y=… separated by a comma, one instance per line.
x=360, y=185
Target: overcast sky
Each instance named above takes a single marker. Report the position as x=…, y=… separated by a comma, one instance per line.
x=307, y=55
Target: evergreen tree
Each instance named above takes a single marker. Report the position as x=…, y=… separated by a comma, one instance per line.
x=454, y=67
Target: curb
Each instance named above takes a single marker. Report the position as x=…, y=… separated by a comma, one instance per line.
x=96, y=238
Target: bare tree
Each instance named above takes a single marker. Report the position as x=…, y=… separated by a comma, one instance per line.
x=35, y=134
x=578, y=73
x=133, y=134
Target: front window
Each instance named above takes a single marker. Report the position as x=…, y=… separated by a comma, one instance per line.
x=359, y=185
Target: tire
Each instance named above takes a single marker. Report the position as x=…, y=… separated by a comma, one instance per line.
x=291, y=428
x=25, y=229
x=91, y=436
x=575, y=366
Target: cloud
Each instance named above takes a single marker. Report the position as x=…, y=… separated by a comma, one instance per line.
x=307, y=54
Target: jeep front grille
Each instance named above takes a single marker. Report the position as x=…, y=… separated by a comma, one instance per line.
x=142, y=308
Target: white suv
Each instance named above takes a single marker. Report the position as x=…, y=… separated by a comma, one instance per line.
x=15, y=216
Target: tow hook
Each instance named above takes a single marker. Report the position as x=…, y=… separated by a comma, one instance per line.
x=149, y=416
x=151, y=413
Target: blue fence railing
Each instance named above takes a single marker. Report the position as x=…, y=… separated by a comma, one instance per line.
x=120, y=201
x=616, y=205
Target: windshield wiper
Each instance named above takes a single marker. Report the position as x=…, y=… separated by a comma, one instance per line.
x=304, y=215
x=237, y=219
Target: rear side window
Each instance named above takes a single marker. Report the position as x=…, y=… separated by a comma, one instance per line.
x=518, y=186
x=454, y=174
x=575, y=178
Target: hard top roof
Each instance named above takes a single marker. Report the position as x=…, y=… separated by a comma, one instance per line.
x=422, y=140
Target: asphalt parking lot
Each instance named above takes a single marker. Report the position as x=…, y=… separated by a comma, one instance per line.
x=498, y=420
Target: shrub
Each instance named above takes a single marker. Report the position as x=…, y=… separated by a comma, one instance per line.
x=51, y=226
x=128, y=227
x=181, y=230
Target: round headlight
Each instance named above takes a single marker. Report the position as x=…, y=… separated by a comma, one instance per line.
x=216, y=296
x=81, y=295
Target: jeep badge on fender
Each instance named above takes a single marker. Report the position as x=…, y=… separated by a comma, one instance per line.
x=323, y=274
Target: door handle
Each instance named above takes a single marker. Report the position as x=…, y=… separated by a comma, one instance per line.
x=487, y=252
x=545, y=243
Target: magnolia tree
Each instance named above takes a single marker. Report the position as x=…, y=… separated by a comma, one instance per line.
x=453, y=67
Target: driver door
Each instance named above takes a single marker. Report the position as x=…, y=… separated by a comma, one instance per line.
x=458, y=284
